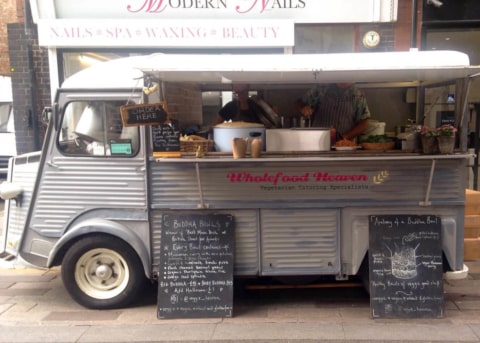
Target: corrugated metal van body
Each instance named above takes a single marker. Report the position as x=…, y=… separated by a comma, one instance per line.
x=326, y=183
x=72, y=189
x=310, y=217
x=23, y=172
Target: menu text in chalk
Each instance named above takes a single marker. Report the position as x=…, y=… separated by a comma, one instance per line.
x=406, y=266
x=196, y=266
x=166, y=137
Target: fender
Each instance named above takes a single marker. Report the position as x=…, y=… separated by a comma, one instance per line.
x=100, y=225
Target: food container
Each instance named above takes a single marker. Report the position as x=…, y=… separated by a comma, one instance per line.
x=225, y=132
x=374, y=128
x=299, y=139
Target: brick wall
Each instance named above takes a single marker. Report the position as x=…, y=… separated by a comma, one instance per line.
x=30, y=86
x=394, y=36
x=12, y=12
x=403, y=27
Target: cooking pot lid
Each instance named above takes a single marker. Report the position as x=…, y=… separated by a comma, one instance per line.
x=238, y=125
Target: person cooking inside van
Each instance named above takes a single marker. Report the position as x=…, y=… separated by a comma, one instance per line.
x=341, y=106
x=242, y=108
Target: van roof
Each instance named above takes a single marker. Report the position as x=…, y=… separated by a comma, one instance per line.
x=410, y=67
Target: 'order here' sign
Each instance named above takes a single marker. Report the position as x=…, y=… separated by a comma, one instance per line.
x=144, y=114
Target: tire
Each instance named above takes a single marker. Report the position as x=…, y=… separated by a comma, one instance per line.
x=102, y=272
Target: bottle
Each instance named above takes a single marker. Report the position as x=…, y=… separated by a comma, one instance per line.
x=256, y=147
x=333, y=136
x=239, y=147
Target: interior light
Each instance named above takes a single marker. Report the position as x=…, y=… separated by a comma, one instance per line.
x=87, y=60
x=90, y=60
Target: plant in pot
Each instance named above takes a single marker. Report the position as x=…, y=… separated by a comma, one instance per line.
x=446, y=138
x=428, y=138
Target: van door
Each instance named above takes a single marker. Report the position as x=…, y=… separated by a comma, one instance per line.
x=92, y=178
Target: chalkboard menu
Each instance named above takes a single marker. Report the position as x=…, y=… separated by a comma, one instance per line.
x=196, y=268
x=405, y=263
x=144, y=114
x=166, y=137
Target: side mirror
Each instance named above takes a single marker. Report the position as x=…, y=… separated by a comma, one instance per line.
x=46, y=115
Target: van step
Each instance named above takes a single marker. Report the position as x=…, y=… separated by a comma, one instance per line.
x=6, y=256
x=316, y=285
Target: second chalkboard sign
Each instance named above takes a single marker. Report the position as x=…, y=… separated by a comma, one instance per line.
x=166, y=137
x=406, y=266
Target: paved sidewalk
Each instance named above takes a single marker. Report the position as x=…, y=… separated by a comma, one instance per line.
x=34, y=307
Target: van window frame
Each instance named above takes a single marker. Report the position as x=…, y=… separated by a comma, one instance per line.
x=78, y=146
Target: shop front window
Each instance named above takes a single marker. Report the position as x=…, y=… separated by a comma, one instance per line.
x=94, y=128
x=464, y=40
x=6, y=117
x=322, y=39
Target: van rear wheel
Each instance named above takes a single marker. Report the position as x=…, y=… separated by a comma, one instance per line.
x=102, y=272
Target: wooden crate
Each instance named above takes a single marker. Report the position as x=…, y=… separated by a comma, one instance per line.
x=472, y=226
x=472, y=249
x=471, y=239
x=472, y=202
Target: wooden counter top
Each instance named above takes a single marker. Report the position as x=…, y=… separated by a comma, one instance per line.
x=357, y=155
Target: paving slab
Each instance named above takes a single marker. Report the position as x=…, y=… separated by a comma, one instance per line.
x=40, y=334
x=149, y=333
x=82, y=316
x=280, y=331
x=35, y=307
x=410, y=332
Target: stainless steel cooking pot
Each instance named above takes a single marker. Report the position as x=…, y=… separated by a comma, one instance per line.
x=225, y=132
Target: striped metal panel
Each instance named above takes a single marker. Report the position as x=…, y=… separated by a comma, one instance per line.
x=70, y=186
x=246, y=239
x=174, y=185
x=156, y=239
x=23, y=172
x=300, y=241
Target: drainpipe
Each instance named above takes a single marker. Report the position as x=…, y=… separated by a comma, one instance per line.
x=32, y=112
x=413, y=33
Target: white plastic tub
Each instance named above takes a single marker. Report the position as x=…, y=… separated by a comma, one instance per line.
x=374, y=128
x=317, y=139
x=223, y=134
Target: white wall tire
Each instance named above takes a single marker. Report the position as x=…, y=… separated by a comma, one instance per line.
x=102, y=272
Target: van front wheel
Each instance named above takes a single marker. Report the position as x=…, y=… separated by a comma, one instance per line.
x=102, y=272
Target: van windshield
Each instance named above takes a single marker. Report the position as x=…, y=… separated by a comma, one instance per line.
x=94, y=128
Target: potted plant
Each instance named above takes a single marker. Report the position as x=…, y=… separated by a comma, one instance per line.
x=429, y=140
x=446, y=138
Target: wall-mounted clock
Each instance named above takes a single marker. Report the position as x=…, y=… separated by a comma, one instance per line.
x=371, y=39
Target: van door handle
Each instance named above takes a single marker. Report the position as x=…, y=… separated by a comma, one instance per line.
x=53, y=165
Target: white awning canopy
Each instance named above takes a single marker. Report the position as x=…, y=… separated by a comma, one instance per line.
x=409, y=68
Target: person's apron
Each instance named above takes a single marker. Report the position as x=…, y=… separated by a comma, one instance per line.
x=336, y=110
